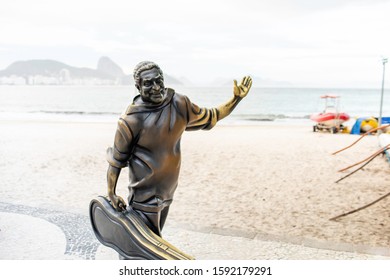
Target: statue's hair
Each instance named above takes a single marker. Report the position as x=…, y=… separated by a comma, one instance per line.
x=143, y=66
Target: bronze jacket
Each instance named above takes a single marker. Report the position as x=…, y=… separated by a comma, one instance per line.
x=147, y=140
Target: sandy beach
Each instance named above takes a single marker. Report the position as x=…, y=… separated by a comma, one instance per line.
x=272, y=178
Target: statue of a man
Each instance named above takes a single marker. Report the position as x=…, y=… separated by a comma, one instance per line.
x=147, y=141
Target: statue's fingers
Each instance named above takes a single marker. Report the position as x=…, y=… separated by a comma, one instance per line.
x=243, y=81
x=121, y=206
x=247, y=81
x=250, y=83
x=235, y=83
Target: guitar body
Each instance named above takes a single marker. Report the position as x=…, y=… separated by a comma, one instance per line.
x=126, y=233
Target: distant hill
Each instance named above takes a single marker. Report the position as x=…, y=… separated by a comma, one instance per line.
x=169, y=80
x=45, y=71
x=50, y=68
x=106, y=65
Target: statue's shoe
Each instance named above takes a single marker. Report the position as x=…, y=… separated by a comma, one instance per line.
x=128, y=234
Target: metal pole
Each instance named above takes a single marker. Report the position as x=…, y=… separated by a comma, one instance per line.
x=384, y=61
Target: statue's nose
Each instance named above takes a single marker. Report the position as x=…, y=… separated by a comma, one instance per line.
x=156, y=86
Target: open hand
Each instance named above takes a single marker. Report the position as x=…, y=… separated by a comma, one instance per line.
x=242, y=89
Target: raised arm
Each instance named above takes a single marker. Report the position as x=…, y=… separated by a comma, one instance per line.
x=239, y=92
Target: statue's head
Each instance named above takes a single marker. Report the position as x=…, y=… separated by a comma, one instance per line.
x=149, y=81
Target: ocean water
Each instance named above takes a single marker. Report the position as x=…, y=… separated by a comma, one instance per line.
x=105, y=103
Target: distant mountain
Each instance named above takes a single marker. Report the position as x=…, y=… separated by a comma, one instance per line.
x=50, y=68
x=169, y=80
x=106, y=65
x=45, y=72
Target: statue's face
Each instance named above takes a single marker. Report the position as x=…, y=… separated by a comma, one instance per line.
x=151, y=86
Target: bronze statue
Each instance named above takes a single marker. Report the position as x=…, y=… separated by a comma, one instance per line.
x=147, y=141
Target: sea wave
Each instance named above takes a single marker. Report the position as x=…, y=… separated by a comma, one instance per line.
x=74, y=113
x=107, y=103
x=269, y=117
x=93, y=116
x=244, y=117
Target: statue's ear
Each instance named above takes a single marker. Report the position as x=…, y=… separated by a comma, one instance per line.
x=137, y=86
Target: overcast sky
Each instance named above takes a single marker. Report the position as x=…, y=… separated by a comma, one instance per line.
x=324, y=43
